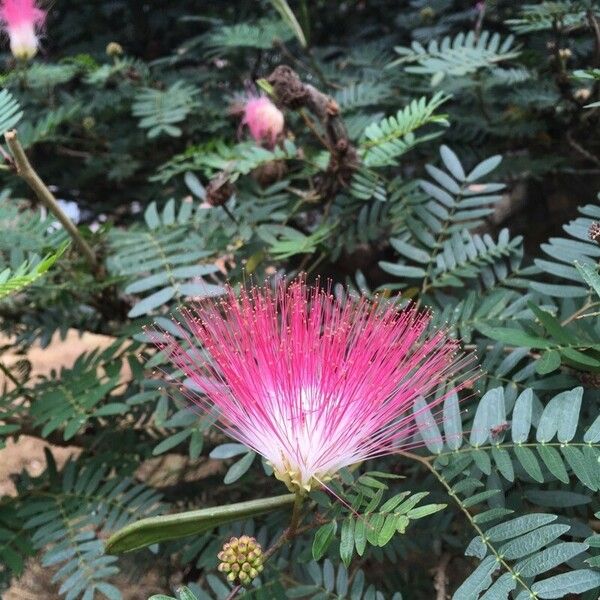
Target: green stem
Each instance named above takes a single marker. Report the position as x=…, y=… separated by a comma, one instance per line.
x=510, y=446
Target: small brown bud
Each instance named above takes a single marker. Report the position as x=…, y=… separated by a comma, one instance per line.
x=564, y=53
x=427, y=14
x=218, y=192
x=594, y=231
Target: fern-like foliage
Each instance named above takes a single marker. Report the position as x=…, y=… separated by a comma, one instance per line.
x=68, y=514
x=457, y=56
x=10, y=111
x=25, y=233
x=236, y=160
x=562, y=253
x=31, y=270
x=261, y=35
x=523, y=549
x=159, y=110
x=369, y=521
x=434, y=241
x=327, y=581
x=544, y=16
x=161, y=259
x=78, y=395
x=362, y=94
x=385, y=141
x=15, y=542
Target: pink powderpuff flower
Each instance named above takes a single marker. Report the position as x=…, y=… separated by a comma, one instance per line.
x=264, y=120
x=311, y=383
x=21, y=20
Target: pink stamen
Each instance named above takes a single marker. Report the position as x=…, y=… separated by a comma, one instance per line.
x=312, y=384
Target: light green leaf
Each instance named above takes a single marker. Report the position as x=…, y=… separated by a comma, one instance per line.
x=532, y=541
x=484, y=167
x=283, y=8
x=574, y=582
x=501, y=588
x=427, y=426
x=239, y=468
x=347, y=540
x=452, y=163
x=554, y=462
x=561, y=416
x=548, y=362
x=480, y=579
x=490, y=412
x=519, y=526
x=323, y=538
x=589, y=274
x=592, y=435
x=521, y=421
x=549, y=558
x=453, y=422
x=514, y=337
x=529, y=462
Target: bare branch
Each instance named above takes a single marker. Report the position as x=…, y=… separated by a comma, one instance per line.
x=29, y=175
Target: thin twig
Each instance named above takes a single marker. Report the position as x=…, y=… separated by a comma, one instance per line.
x=29, y=175
x=234, y=592
x=581, y=150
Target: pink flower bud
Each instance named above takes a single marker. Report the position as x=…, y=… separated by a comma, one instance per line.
x=265, y=121
x=22, y=19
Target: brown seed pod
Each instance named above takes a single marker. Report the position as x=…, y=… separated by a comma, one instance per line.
x=270, y=172
x=219, y=190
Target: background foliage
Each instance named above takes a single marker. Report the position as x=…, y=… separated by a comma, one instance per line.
x=473, y=193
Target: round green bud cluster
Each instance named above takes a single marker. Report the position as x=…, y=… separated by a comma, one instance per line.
x=241, y=559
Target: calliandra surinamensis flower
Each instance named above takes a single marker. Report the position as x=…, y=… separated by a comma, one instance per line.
x=22, y=19
x=264, y=120
x=311, y=383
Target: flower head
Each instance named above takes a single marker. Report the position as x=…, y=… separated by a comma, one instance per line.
x=311, y=383
x=264, y=120
x=22, y=20
x=241, y=559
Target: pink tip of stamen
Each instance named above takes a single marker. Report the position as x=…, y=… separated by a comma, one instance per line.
x=17, y=12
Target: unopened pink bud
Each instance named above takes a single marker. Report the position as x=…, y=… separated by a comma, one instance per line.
x=265, y=121
x=21, y=20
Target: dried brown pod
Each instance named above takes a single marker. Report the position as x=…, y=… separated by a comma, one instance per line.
x=219, y=190
x=594, y=231
x=270, y=172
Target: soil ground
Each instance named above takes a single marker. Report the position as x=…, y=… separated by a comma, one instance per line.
x=28, y=453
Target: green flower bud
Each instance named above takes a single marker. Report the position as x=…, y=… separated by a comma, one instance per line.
x=241, y=559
